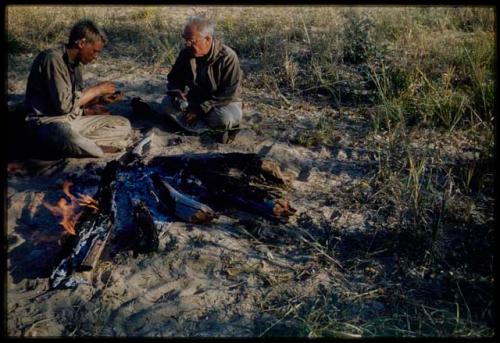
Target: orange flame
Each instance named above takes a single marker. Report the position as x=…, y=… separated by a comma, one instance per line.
x=71, y=211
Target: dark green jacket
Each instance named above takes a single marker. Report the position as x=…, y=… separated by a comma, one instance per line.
x=221, y=80
x=54, y=85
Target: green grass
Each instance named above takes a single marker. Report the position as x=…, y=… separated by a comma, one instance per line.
x=323, y=133
x=431, y=66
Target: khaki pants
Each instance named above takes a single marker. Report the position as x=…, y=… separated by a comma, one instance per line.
x=80, y=137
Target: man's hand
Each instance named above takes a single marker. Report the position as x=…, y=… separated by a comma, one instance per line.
x=106, y=88
x=92, y=95
x=190, y=118
x=177, y=93
x=96, y=110
x=111, y=98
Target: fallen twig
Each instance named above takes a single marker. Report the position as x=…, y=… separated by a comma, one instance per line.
x=281, y=319
x=35, y=324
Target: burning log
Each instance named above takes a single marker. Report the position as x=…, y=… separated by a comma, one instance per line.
x=181, y=205
x=131, y=195
x=92, y=232
x=96, y=246
x=92, y=237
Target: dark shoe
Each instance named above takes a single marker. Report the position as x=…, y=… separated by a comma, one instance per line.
x=227, y=136
x=231, y=135
x=223, y=137
x=140, y=109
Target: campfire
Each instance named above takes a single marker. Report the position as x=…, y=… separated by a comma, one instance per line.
x=135, y=200
x=71, y=211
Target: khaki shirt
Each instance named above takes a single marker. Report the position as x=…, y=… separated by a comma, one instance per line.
x=55, y=85
x=213, y=80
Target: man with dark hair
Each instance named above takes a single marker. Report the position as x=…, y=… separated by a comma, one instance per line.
x=64, y=118
x=204, y=85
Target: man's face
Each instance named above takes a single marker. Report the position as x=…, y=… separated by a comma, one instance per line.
x=199, y=45
x=89, y=51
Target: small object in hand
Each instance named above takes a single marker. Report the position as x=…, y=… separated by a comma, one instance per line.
x=181, y=104
x=180, y=98
x=118, y=95
x=110, y=98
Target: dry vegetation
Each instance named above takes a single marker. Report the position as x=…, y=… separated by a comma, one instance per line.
x=420, y=82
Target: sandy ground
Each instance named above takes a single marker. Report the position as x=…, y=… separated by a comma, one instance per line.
x=205, y=280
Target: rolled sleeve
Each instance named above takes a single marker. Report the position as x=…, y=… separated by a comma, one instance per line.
x=77, y=110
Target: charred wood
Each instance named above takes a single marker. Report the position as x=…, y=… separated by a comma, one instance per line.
x=244, y=181
x=96, y=247
x=144, y=145
x=180, y=205
x=138, y=150
x=147, y=234
x=251, y=166
x=92, y=237
x=274, y=209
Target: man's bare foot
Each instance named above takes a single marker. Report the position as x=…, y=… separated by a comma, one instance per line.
x=110, y=149
x=96, y=110
x=190, y=118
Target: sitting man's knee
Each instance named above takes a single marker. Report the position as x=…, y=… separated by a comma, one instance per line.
x=122, y=122
x=225, y=117
x=59, y=139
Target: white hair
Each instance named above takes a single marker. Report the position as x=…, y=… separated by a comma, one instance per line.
x=204, y=25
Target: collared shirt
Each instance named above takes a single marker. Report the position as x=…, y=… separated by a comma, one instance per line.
x=54, y=85
x=213, y=80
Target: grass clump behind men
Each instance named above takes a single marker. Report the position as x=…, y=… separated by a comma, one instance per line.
x=204, y=85
x=63, y=117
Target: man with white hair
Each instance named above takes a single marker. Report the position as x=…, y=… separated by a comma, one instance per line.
x=204, y=85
